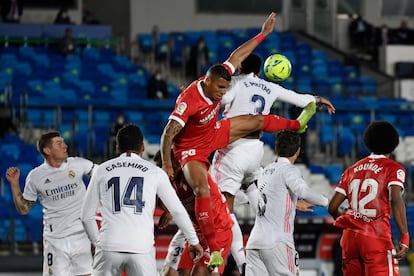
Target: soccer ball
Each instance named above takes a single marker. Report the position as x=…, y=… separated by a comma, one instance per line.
x=277, y=67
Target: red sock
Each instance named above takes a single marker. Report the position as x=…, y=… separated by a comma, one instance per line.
x=273, y=123
x=204, y=215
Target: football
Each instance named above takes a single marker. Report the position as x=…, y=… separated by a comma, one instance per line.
x=277, y=67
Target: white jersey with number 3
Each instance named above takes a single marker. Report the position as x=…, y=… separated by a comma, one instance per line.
x=126, y=188
x=249, y=94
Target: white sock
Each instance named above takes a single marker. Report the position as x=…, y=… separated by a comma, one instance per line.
x=237, y=247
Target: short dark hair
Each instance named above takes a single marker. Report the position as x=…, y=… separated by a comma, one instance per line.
x=287, y=143
x=129, y=137
x=45, y=140
x=381, y=137
x=219, y=71
x=251, y=64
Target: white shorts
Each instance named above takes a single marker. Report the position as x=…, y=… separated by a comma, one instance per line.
x=280, y=260
x=67, y=256
x=109, y=263
x=237, y=164
x=175, y=250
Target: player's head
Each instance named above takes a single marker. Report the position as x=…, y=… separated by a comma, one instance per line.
x=52, y=144
x=287, y=143
x=216, y=82
x=130, y=138
x=252, y=64
x=381, y=137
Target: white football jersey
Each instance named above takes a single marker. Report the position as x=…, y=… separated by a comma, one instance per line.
x=61, y=192
x=249, y=94
x=280, y=184
x=125, y=189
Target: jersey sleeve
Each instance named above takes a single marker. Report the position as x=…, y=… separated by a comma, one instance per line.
x=87, y=165
x=170, y=199
x=299, y=187
x=30, y=190
x=290, y=96
x=397, y=176
x=184, y=108
x=342, y=187
x=89, y=208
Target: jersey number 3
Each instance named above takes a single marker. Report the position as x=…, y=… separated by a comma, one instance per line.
x=370, y=185
x=135, y=185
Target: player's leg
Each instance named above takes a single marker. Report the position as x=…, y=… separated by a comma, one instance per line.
x=351, y=261
x=141, y=264
x=254, y=264
x=80, y=253
x=196, y=175
x=244, y=124
x=107, y=263
x=281, y=260
x=175, y=250
x=55, y=260
x=378, y=256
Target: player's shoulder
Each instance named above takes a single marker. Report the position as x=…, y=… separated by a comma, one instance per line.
x=38, y=171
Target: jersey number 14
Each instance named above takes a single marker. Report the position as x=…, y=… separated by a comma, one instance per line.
x=135, y=185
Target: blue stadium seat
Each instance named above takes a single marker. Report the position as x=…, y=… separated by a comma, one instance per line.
x=333, y=173
x=346, y=141
x=145, y=42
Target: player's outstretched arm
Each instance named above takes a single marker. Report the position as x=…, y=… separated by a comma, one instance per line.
x=399, y=214
x=238, y=55
x=304, y=206
x=23, y=206
x=321, y=101
x=170, y=131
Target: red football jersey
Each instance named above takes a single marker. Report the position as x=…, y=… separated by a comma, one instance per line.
x=366, y=185
x=198, y=115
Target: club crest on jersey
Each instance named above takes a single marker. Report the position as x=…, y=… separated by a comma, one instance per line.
x=71, y=173
x=401, y=175
x=181, y=108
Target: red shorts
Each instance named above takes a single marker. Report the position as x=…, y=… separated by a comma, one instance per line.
x=201, y=153
x=224, y=240
x=367, y=255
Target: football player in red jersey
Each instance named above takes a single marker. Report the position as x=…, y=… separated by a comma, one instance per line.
x=373, y=187
x=222, y=221
x=194, y=132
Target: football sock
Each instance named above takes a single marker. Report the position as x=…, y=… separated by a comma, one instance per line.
x=273, y=123
x=305, y=116
x=237, y=248
x=204, y=215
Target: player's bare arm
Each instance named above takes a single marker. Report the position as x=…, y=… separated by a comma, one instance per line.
x=399, y=214
x=321, y=101
x=238, y=55
x=22, y=205
x=170, y=131
x=333, y=207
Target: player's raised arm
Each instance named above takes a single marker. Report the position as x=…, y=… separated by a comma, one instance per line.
x=23, y=206
x=238, y=55
x=170, y=131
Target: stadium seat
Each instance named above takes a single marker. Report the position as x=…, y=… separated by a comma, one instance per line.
x=145, y=42
x=334, y=172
